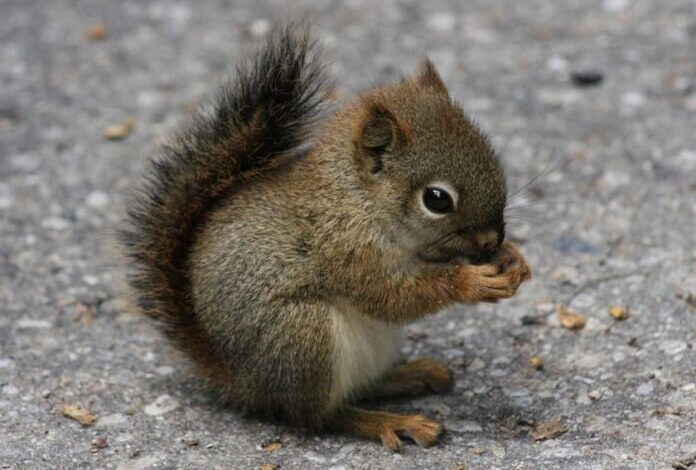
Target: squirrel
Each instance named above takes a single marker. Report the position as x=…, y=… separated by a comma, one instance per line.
x=283, y=252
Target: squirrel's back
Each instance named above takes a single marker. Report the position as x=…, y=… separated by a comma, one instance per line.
x=256, y=123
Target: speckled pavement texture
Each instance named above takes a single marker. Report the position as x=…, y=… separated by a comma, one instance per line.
x=611, y=221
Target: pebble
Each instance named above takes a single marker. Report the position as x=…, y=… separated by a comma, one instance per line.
x=590, y=361
x=27, y=323
x=162, y=405
x=587, y=77
x=645, y=389
x=463, y=426
x=97, y=199
x=632, y=100
x=111, y=420
x=55, y=223
x=314, y=457
x=557, y=64
x=476, y=365
x=615, y=6
x=690, y=102
x=498, y=450
x=165, y=370
x=25, y=163
x=560, y=452
x=442, y=22
x=559, y=98
x=673, y=347
x=685, y=160
x=141, y=463
x=259, y=28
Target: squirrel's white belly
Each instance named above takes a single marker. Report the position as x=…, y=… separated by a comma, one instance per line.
x=364, y=349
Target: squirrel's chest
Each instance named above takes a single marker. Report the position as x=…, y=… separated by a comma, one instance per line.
x=364, y=349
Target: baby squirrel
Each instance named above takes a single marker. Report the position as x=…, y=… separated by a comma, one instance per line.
x=284, y=262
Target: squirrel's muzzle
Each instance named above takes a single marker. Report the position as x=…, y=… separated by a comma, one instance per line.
x=475, y=247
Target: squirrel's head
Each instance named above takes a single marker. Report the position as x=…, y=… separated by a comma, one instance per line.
x=430, y=170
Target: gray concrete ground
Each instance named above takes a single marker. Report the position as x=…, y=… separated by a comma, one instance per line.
x=611, y=223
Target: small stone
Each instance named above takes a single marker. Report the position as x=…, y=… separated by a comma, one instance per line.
x=536, y=363
x=28, y=323
x=618, y=313
x=140, y=463
x=271, y=446
x=498, y=450
x=464, y=426
x=557, y=64
x=111, y=420
x=632, y=99
x=84, y=313
x=120, y=130
x=595, y=394
x=587, y=77
x=645, y=389
x=684, y=463
x=80, y=414
x=673, y=347
x=615, y=6
x=98, y=444
x=570, y=319
x=548, y=429
x=538, y=320
x=314, y=457
x=191, y=442
x=269, y=466
x=162, y=405
x=442, y=22
x=259, y=28
x=476, y=365
x=690, y=102
x=97, y=199
x=96, y=32
x=165, y=370
x=90, y=280
x=590, y=361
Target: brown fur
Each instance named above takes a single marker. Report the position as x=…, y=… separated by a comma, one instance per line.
x=385, y=427
x=246, y=243
x=414, y=378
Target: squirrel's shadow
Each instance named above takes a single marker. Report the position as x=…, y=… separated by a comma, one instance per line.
x=489, y=416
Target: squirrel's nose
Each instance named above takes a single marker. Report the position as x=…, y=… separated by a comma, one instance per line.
x=488, y=241
x=486, y=244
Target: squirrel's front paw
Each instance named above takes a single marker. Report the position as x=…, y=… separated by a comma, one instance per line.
x=511, y=261
x=498, y=280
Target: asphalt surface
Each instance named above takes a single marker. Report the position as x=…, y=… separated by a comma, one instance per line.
x=599, y=98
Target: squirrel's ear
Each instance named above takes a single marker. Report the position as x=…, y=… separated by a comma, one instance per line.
x=379, y=131
x=429, y=77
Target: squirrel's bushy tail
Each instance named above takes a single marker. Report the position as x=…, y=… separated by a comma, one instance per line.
x=265, y=113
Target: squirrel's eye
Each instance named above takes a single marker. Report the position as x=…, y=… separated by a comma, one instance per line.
x=438, y=201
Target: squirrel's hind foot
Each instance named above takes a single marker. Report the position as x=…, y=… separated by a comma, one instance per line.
x=387, y=427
